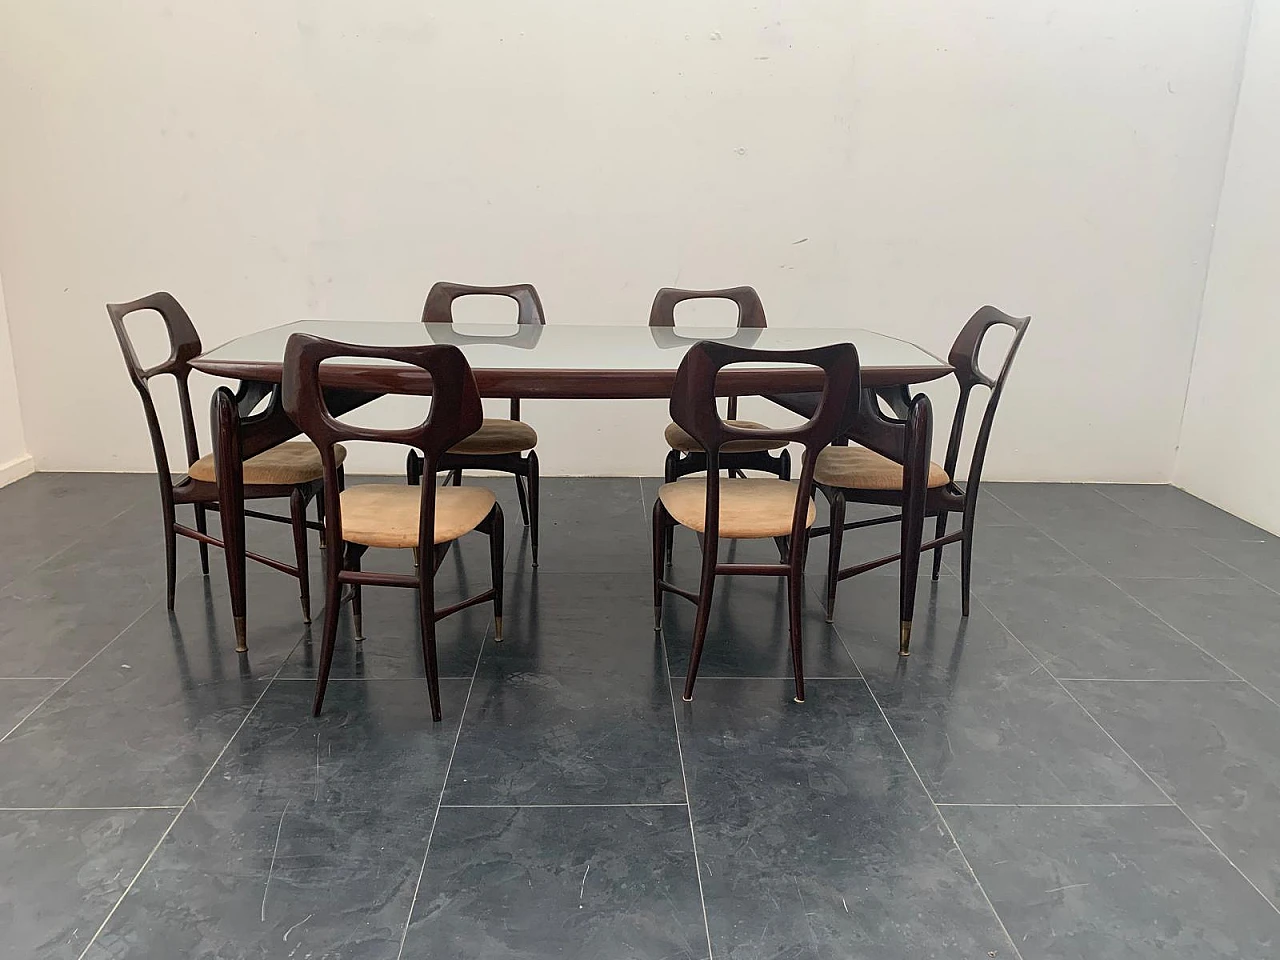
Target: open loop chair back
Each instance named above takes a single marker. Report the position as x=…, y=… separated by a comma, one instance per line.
x=184, y=345
x=964, y=358
x=693, y=408
x=454, y=415
x=439, y=304
x=750, y=309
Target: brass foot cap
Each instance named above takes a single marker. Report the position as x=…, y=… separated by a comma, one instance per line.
x=497, y=629
x=687, y=699
x=798, y=699
x=241, y=633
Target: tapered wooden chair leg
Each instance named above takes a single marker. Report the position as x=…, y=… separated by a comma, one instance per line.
x=836, y=537
x=496, y=548
x=427, y=615
x=534, y=501
x=939, y=532
x=298, y=516
x=202, y=524
x=795, y=599
x=710, y=552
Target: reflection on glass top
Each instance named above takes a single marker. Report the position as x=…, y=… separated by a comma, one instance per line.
x=569, y=346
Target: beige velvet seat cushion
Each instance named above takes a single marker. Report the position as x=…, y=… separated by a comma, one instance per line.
x=383, y=515
x=678, y=439
x=857, y=468
x=749, y=509
x=499, y=436
x=289, y=463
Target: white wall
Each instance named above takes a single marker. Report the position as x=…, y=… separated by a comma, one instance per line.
x=1230, y=449
x=15, y=462
x=265, y=161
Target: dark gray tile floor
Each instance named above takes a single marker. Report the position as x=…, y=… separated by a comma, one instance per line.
x=1086, y=767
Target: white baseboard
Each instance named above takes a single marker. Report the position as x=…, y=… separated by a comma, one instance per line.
x=16, y=469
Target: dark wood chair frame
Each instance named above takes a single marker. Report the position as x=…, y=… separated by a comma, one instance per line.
x=455, y=414
x=939, y=502
x=750, y=316
x=693, y=407
x=184, y=343
x=523, y=467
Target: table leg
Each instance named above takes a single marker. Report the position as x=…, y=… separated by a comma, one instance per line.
x=915, y=487
x=229, y=471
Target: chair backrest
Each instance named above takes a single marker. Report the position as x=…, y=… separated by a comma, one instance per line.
x=693, y=407
x=439, y=305
x=184, y=345
x=964, y=359
x=750, y=309
x=454, y=415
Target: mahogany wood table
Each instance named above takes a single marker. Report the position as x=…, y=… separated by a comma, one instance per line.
x=563, y=361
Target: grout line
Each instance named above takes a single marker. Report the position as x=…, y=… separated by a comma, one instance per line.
x=1098, y=723
x=936, y=807
x=551, y=806
x=462, y=718
x=172, y=823
x=46, y=679
x=1064, y=806
x=1143, y=679
x=693, y=836
x=45, y=699
x=172, y=806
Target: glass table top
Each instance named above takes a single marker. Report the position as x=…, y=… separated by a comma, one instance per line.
x=571, y=347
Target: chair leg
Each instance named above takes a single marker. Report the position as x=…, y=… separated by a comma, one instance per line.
x=966, y=565
x=298, y=515
x=659, y=558
x=939, y=532
x=710, y=552
x=836, y=538
x=427, y=616
x=795, y=596
x=457, y=477
x=495, y=529
x=413, y=468
x=523, y=498
x=784, y=465
x=202, y=524
x=354, y=553
x=534, y=500
x=332, y=606
x=320, y=517
x=170, y=558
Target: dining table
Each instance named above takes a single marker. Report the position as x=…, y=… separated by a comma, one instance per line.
x=566, y=361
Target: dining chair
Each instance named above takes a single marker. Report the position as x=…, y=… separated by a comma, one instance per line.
x=505, y=445
x=847, y=474
x=741, y=509
x=686, y=455
x=291, y=470
x=426, y=518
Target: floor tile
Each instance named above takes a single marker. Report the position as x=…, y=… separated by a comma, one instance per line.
x=1256, y=559
x=567, y=736
x=308, y=836
x=590, y=525
x=373, y=746
x=1057, y=505
x=61, y=871
x=1008, y=554
x=141, y=724
x=980, y=718
x=1138, y=550
x=1113, y=884
x=1234, y=620
x=563, y=883
x=1084, y=626
x=46, y=513
x=307, y=879
x=815, y=838
x=1213, y=747
x=20, y=697
x=1175, y=509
